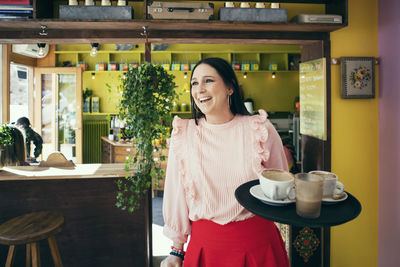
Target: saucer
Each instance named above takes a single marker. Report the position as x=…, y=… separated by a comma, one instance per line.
x=329, y=200
x=256, y=192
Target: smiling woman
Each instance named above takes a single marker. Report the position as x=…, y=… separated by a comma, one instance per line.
x=209, y=157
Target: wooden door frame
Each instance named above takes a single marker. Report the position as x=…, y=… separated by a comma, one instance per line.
x=38, y=115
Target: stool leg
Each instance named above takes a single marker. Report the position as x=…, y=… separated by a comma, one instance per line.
x=35, y=254
x=55, y=252
x=10, y=256
x=28, y=255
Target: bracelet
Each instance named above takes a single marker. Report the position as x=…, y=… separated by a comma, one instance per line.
x=177, y=254
x=178, y=250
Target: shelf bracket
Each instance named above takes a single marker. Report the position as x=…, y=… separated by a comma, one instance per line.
x=43, y=31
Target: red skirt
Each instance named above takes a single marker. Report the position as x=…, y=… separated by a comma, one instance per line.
x=255, y=242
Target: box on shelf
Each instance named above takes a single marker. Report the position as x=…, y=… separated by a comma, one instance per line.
x=317, y=18
x=253, y=14
x=95, y=104
x=178, y=10
x=96, y=12
x=15, y=2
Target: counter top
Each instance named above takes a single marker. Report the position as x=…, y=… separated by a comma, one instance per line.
x=51, y=173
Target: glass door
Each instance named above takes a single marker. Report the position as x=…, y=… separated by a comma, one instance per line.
x=58, y=115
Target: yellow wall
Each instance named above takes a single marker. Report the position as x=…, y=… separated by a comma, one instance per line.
x=355, y=140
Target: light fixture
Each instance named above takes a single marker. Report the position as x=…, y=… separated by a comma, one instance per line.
x=93, y=75
x=273, y=75
x=41, y=52
x=124, y=75
x=245, y=75
x=94, y=50
x=185, y=75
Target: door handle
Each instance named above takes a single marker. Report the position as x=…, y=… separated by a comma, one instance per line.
x=172, y=9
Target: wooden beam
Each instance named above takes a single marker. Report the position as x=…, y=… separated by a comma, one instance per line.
x=22, y=60
x=5, y=72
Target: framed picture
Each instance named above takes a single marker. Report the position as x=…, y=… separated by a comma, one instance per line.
x=358, y=77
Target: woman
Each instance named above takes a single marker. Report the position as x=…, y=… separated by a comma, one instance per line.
x=14, y=155
x=210, y=156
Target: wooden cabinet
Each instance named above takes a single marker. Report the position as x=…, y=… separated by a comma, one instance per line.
x=115, y=152
x=46, y=27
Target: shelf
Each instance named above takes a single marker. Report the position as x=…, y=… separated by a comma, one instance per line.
x=173, y=31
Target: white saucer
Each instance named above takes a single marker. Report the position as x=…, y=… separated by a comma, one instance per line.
x=329, y=200
x=256, y=192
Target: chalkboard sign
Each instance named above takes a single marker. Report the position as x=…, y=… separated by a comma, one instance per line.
x=313, y=98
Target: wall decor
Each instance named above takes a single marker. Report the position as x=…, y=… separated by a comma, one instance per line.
x=358, y=77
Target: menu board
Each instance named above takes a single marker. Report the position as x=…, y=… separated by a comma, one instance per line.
x=313, y=98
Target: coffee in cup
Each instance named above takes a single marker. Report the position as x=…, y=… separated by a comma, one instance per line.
x=276, y=184
x=331, y=184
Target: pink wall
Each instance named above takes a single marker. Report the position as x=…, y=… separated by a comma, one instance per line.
x=389, y=132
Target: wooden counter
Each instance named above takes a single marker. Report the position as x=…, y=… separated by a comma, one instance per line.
x=96, y=232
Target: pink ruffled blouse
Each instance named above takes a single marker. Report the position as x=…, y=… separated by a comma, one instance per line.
x=207, y=162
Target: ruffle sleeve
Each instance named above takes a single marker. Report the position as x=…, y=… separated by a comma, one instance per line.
x=267, y=144
x=175, y=209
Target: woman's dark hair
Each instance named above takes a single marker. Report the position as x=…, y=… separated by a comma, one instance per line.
x=24, y=120
x=14, y=155
x=227, y=74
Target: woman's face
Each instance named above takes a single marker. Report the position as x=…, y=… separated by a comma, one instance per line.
x=210, y=92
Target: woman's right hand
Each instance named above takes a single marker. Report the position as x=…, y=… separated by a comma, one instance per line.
x=171, y=261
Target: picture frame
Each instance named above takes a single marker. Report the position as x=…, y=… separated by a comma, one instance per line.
x=358, y=77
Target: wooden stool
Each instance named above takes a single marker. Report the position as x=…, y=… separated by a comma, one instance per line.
x=29, y=229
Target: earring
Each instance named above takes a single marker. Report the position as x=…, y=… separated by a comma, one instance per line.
x=229, y=100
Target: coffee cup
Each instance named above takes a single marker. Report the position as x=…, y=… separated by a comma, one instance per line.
x=276, y=184
x=260, y=5
x=309, y=188
x=331, y=184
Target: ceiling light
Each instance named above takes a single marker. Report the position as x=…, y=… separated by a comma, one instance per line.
x=273, y=75
x=244, y=75
x=185, y=75
x=93, y=75
x=94, y=50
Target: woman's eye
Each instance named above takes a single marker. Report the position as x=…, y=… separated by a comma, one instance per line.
x=194, y=83
x=209, y=81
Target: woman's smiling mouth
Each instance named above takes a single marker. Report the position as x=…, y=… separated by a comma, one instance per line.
x=204, y=99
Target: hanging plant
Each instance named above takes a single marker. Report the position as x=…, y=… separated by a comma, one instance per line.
x=147, y=97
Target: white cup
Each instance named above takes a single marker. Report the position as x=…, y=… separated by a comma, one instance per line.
x=89, y=2
x=105, y=2
x=229, y=4
x=111, y=137
x=121, y=3
x=244, y=4
x=260, y=5
x=331, y=184
x=274, y=5
x=277, y=184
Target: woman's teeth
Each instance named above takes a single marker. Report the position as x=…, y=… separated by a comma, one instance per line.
x=204, y=99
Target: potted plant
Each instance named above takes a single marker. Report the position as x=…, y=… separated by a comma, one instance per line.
x=6, y=140
x=147, y=97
